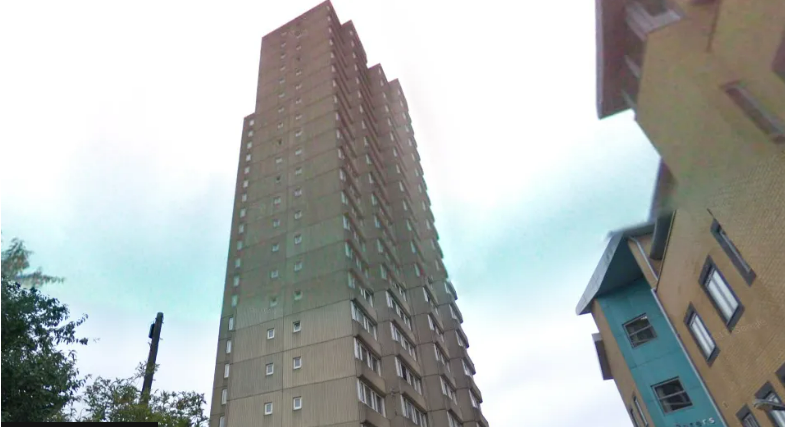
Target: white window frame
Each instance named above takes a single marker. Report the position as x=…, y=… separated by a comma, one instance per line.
x=721, y=293
x=297, y=326
x=297, y=403
x=297, y=362
x=701, y=334
x=271, y=333
x=269, y=369
x=268, y=408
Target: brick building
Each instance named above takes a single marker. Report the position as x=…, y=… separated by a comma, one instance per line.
x=706, y=82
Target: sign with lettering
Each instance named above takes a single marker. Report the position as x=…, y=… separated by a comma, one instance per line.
x=700, y=423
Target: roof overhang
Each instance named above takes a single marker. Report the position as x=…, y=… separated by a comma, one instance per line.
x=610, y=21
x=617, y=267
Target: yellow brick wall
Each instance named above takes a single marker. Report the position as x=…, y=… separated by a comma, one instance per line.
x=750, y=354
x=727, y=168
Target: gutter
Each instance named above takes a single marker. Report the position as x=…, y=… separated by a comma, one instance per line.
x=673, y=330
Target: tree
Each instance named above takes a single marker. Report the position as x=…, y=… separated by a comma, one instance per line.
x=40, y=381
x=120, y=400
x=38, y=378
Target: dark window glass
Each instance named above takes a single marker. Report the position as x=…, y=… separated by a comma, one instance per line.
x=639, y=330
x=672, y=396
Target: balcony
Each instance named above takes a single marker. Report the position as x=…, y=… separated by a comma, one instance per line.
x=373, y=379
x=400, y=385
x=398, y=350
x=368, y=415
x=478, y=417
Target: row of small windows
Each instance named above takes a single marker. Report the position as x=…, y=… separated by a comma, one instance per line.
x=365, y=394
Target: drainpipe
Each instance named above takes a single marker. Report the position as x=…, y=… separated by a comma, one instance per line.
x=676, y=334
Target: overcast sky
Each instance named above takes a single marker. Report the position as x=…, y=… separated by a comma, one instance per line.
x=121, y=125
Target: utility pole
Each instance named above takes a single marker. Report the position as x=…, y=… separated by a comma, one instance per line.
x=155, y=335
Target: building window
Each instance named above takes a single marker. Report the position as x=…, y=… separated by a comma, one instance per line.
x=241, y=229
x=360, y=317
x=767, y=392
x=298, y=238
x=632, y=418
x=298, y=192
x=227, y=368
x=245, y=183
x=672, y=396
x=268, y=408
x=278, y=160
x=231, y=324
x=234, y=300
x=298, y=214
x=747, y=418
x=277, y=201
x=448, y=391
x=639, y=330
x=298, y=152
x=222, y=421
x=451, y=421
x=362, y=353
x=276, y=223
x=229, y=347
x=297, y=403
x=298, y=171
x=273, y=301
x=297, y=362
x=298, y=266
x=275, y=248
x=701, y=335
x=466, y=370
x=271, y=333
x=369, y=397
x=732, y=252
x=236, y=281
x=640, y=411
x=239, y=245
x=244, y=197
x=224, y=396
x=411, y=412
x=765, y=121
x=721, y=294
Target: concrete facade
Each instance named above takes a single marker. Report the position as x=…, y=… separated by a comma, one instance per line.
x=705, y=81
x=337, y=309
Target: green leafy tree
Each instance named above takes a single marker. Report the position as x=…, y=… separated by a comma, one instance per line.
x=39, y=377
x=40, y=381
x=120, y=400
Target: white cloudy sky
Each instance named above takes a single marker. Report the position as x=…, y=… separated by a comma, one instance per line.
x=120, y=138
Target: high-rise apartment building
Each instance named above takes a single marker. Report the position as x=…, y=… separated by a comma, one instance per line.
x=337, y=309
x=690, y=307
